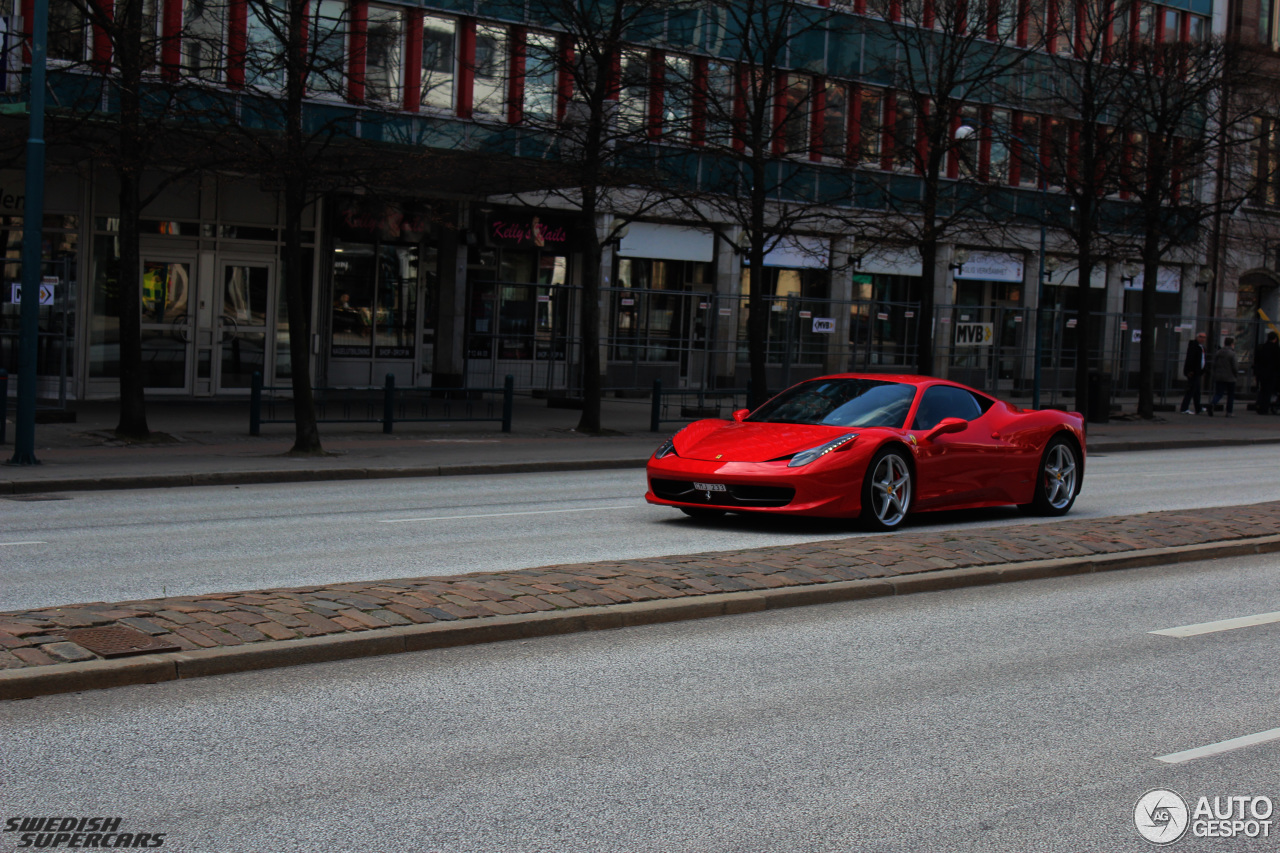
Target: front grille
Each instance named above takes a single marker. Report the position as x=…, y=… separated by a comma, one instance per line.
x=734, y=496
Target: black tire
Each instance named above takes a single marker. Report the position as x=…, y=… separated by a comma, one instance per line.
x=887, y=490
x=1058, y=479
x=700, y=514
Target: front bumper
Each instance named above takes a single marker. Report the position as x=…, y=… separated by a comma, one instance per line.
x=820, y=489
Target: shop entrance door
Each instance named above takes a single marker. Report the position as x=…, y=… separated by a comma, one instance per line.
x=167, y=323
x=245, y=313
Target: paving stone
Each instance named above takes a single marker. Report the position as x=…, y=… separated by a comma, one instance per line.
x=69, y=652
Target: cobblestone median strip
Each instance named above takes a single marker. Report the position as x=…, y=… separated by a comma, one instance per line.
x=303, y=624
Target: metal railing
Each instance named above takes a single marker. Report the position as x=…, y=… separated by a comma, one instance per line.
x=386, y=404
x=693, y=404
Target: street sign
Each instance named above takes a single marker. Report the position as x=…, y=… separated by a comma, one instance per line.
x=46, y=291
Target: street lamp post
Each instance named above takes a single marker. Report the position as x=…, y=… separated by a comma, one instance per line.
x=24, y=434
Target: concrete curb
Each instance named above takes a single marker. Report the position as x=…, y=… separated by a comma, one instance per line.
x=310, y=475
x=148, y=669
x=315, y=475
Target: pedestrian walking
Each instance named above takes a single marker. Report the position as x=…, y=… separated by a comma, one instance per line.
x=1266, y=368
x=1224, y=375
x=1193, y=368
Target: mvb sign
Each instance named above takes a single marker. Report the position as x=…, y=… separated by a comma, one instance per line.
x=974, y=334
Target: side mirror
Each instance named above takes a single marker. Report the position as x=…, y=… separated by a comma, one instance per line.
x=741, y=415
x=947, y=426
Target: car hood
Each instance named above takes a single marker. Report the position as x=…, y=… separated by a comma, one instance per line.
x=720, y=441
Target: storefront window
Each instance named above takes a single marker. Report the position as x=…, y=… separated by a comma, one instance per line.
x=56, y=316
x=659, y=310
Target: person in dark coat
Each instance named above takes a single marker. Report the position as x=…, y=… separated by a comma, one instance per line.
x=1225, y=369
x=1193, y=368
x=1266, y=368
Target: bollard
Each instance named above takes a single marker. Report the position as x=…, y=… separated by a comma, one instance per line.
x=388, y=402
x=655, y=407
x=255, y=405
x=508, y=401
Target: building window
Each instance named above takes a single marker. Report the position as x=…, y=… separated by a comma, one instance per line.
x=904, y=135
x=719, y=103
x=677, y=98
x=870, y=125
x=794, y=119
x=633, y=91
x=490, y=84
x=328, y=48
x=1029, y=151
x=383, y=55
x=66, y=38
x=998, y=159
x=835, y=121
x=264, y=53
x=439, y=61
x=968, y=144
x=1197, y=28
x=542, y=60
x=1147, y=24
x=1171, y=25
x=202, y=39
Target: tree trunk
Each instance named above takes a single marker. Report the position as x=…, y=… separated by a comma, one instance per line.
x=306, y=437
x=589, y=422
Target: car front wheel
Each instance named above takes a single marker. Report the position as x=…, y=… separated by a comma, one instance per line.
x=886, y=491
x=1057, y=480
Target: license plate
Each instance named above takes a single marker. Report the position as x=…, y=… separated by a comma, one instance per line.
x=710, y=487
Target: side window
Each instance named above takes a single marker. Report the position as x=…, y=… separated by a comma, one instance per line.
x=946, y=401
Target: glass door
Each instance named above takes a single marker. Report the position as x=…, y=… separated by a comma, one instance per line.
x=241, y=339
x=167, y=324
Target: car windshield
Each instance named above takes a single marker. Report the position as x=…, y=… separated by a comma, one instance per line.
x=840, y=402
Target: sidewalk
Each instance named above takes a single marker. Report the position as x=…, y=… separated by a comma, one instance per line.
x=73, y=648
x=198, y=443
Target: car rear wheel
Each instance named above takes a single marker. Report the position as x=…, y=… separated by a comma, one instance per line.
x=702, y=514
x=1057, y=480
x=886, y=491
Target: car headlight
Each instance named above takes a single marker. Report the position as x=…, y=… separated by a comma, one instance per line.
x=807, y=456
x=668, y=447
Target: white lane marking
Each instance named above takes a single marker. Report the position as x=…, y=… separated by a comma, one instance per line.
x=500, y=514
x=32, y=542
x=1219, y=625
x=1217, y=748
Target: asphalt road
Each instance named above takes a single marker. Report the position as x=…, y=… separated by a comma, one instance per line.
x=116, y=546
x=1015, y=718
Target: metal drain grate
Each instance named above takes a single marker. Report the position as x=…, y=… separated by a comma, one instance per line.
x=115, y=642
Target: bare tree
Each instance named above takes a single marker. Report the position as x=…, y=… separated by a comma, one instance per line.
x=129, y=117
x=604, y=159
x=756, y=134
x=1182, y=117
x=945, y=65
x=1082, y=98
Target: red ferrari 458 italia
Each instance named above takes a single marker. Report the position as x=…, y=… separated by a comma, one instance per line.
x=875, y=448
